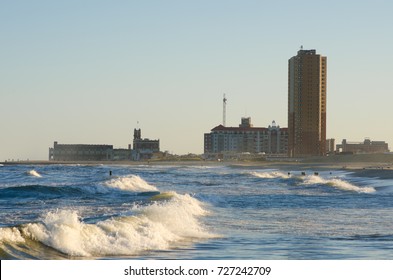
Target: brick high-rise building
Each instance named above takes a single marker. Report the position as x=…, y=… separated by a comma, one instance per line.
x=307, y=104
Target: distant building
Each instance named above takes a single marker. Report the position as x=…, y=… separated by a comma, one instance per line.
x=307, y=104
x=80, y=152
x=246, y=139
x=366, y=147
x=144, y=148
x=122, y=154
x=330, y=146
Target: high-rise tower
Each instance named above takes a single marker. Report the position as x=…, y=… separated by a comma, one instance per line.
x=307, y=104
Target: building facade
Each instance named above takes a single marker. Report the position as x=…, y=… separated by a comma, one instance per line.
x=144, y=148
x=80, y=152
x=246, y=139
x=307, y=104
x=366, y=147
x=330, y=146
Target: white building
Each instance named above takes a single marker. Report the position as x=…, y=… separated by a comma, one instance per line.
x=247, y=139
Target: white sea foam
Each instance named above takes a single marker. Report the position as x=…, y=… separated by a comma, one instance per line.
x=337, y=183
x=157, y=226
x=130, y=183
x=34, y=173
x=11, y=235
x=270, y=174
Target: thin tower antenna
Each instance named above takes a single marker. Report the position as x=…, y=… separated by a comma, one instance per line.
x=224, y=108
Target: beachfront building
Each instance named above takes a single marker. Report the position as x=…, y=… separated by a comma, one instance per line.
x=246, y=138
x=307, y=104
x=87, y=152
x=80, y=152
x=330, y=146
x=365, y=147
x=144, y=149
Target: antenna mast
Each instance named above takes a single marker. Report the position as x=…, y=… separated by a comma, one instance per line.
x=224, y=105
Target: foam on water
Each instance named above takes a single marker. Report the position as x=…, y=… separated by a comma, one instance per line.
x=337, y=183
x=11, y=235
x=252, y=208
x=34, y=173
x=130, y=183
x=270, y=175
x=157, y=226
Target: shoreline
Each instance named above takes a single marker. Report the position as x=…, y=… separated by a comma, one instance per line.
x=348, y=162
x=372, y=166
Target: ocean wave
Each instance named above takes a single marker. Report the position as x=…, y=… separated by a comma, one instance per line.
x=270, y=175
x=132, y=183
x=336, y=183
x=157, y=226
x=34, y=173
x=37, y=191
x=11, y=235
x=127, y=183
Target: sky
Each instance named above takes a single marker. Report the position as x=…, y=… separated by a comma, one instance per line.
x=90, y=71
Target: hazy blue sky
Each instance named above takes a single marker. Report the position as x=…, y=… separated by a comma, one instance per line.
x=88, y=71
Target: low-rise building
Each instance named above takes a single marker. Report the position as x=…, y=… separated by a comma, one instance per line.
x=80, y=152
x=365, y=147
x=144, y=148
x=122, y=154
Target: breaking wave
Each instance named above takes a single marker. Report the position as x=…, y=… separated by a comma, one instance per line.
x=270, y=174
x=315, y=180
x=157, y=226
x=11, y=235
x=337, y=183
x=34, y=173
x=130, y=183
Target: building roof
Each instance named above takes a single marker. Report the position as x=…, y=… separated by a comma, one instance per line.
x=82, y=145
x=241, y=129
x=224, y=128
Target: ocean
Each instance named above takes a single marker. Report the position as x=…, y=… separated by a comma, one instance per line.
x=194, y=212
